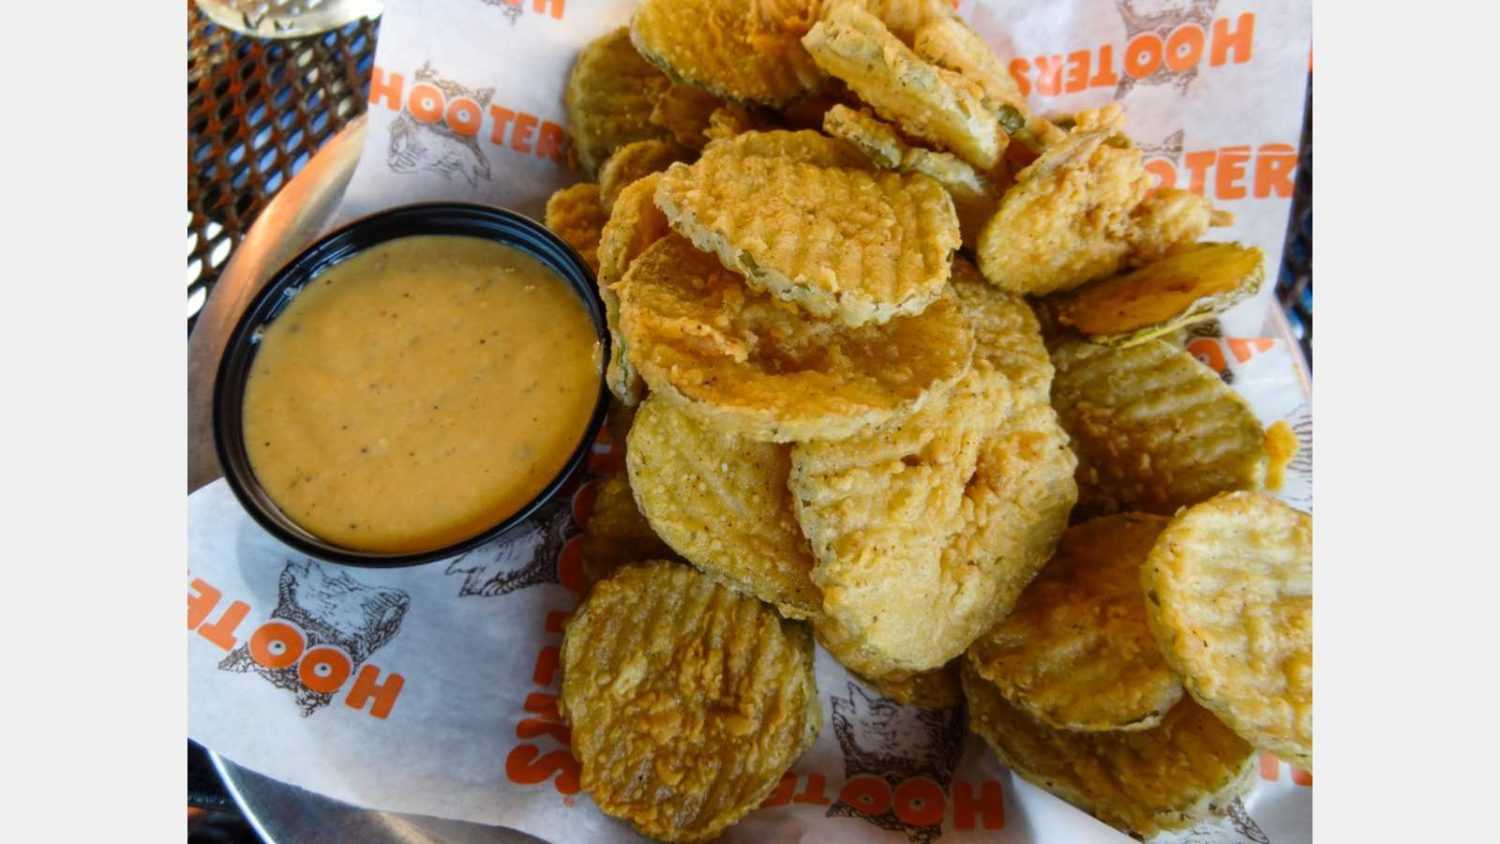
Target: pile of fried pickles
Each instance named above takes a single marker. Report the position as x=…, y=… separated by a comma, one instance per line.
x=894, y=365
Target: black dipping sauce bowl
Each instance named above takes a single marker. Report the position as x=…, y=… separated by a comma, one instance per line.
x=449, y=218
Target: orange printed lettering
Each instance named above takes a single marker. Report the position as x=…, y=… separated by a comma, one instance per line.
x=1270, y=767
x=1239, y=41
x=201, y=604
x=1165, y=173
x=520, y=139
x=1106, y=77
x=1184, y=47
x=1230, y=173
x=1143, y=55
x=1197, y=165
x=1049, y=74
x=1245, y=348
x=380, y=695
x=1275, y=168
x=550, y=143
x=277, y=644
x=1301, y=777
x=869, y=795
x=1078, y=71
x=556, y=620
x=386, y=87
x=542, y=704
x=425, y=102
x=533, y=727
x=546, y=666
x=526, y=765
x=989, y=805
x=1019, y=68
x=464, y=116
x=540, y=6
x=782, y=793
x=1207, y=351
x=919, y=802
x=324, y=668
x=813, y=793
x=221, y=632
x=502, y=117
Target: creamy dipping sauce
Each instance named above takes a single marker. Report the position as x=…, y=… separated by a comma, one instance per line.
x=420, y=392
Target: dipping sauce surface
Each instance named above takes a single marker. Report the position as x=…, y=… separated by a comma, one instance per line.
x=420, y=392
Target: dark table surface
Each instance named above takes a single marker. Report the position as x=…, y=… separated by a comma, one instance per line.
x=259, y=109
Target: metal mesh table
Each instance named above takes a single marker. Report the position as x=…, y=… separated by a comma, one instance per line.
x=257, y=111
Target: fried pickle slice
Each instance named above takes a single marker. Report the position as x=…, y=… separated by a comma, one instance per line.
x=687, y=701
x=1023, y=489
x=1187, y=769
x=1229, y=598
x=927, y=102
x=1281, y=447
x=1168, y=221
x=610, y=94
x=753, y=365
x=720, y=500
x=841, y=242
x=796, y=17
x=636, y=160
x=879, y=508
x=1186, y=288
x=684, y=111
x=1076, y=652
x=927, y=530
x=576, y=214
x=634, y=224
x=948, y=42
x=1153, y=428
x=935, y=689
x=715, y=45
x=1067, y=219
x=616, y=532
x=973, y=198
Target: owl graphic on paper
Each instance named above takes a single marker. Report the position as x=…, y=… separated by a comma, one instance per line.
x=331, y=608
x=883, y=738
x=432, y=147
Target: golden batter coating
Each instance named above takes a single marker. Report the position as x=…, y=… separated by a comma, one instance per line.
x=1229, y=597
x=1187, y=769
x=721, y=501
x=934, y=689
x=687, y=700
x=616, y=532
x=926, y=101
x=973, y=198
x=1076, y=652
x=757, y=366
x=1154, y=429
x=634, y=224
x=1067, y=219
x=610, y=94
x=634, y=161
x=926, y=531
x=1191, y=286
x=576, y=214
x=846, y=243
x=715, y=45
